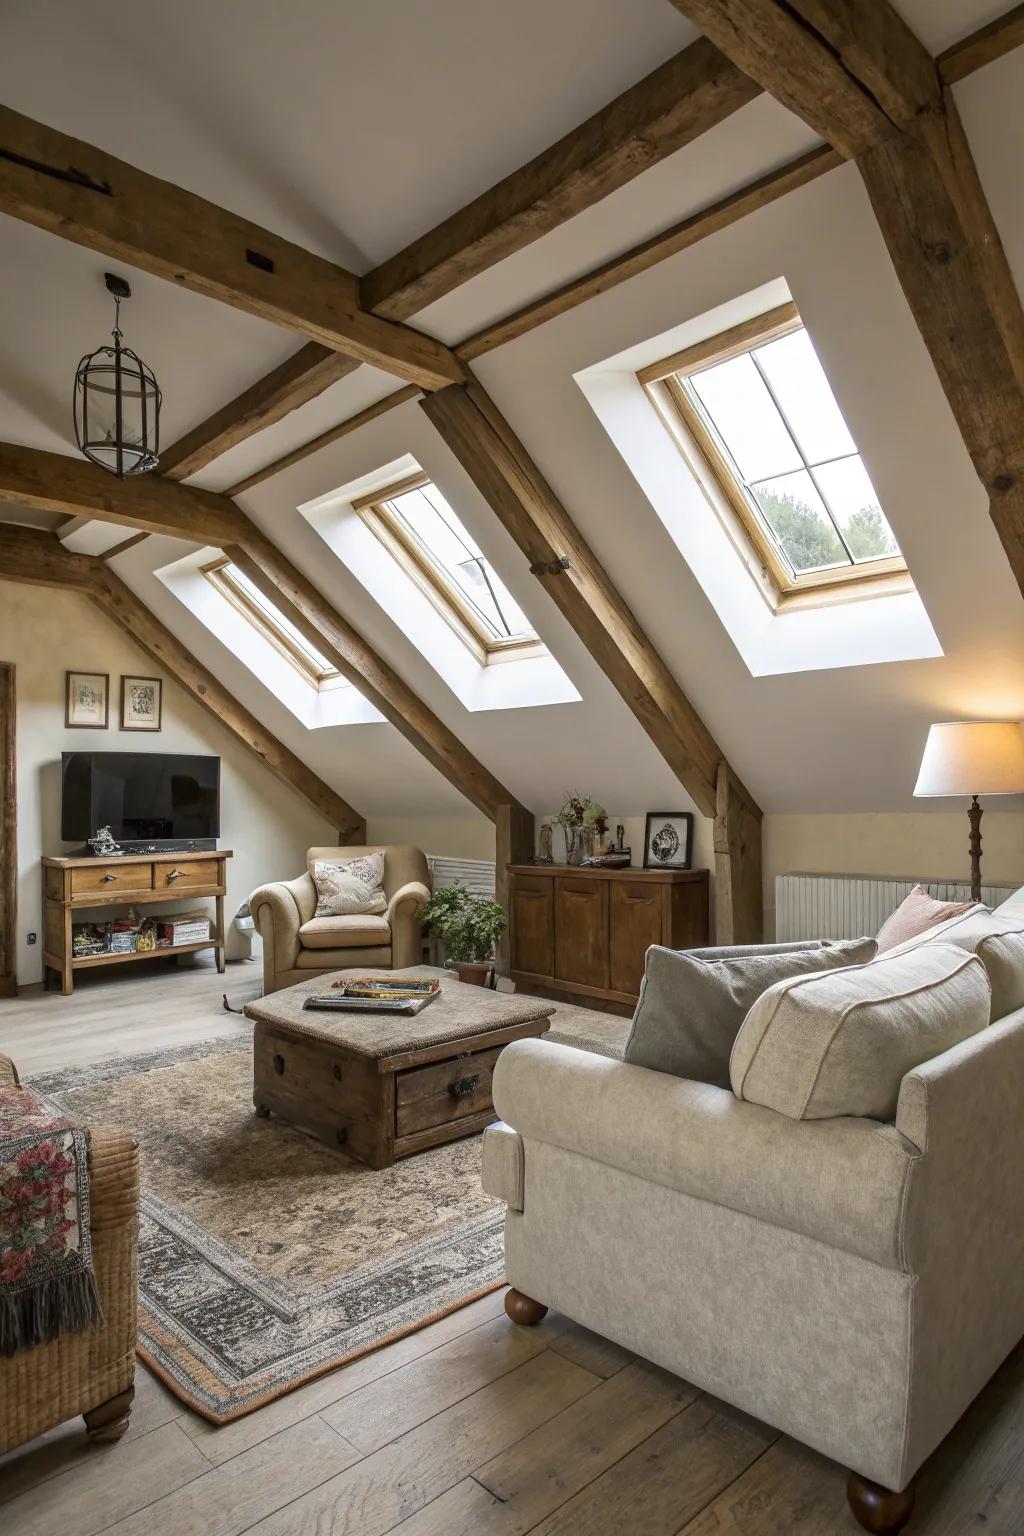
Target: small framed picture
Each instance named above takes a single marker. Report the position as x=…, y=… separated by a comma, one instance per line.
x=142, y=703
x=85, y=700
x=668, y=840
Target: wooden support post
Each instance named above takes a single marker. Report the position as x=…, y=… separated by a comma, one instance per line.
x=8, y=832
x=739, y=897
x=514, y=834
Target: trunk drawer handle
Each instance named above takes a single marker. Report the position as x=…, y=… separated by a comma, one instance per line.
x=463, y=1086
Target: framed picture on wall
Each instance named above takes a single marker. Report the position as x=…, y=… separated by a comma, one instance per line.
x=668, y=840
x=142, y=703
x=85, y=700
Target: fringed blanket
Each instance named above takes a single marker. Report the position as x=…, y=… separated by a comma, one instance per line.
x=46, y=1281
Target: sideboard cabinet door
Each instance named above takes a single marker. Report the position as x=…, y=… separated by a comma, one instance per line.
x=581, y=931
x=533, y=927
x=636, y=924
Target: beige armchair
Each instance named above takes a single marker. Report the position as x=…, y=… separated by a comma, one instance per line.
x=297, y=945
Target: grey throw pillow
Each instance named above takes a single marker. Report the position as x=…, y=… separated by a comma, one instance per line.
x=692, y=1002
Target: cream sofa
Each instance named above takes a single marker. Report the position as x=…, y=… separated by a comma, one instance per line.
x=297, y=945
x=853, y=1283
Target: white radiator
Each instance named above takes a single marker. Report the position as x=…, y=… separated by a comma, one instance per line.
x=477, y=875
x=848, y=906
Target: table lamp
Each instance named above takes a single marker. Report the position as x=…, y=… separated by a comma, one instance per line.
x=973, y=757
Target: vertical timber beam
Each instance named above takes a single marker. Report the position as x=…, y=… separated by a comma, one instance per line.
x=739, y=897
x=514, y=834
x=8, y=832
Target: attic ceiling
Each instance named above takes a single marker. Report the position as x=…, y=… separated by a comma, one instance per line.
x=354, y=128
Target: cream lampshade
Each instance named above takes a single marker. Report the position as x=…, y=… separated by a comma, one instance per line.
x=973, y=757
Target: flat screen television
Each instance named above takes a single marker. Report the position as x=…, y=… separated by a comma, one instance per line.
x=143, y=797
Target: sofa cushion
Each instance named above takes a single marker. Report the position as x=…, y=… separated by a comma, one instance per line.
x=692, y=1002
x=999, y=944
x=345, y=932
x=915, y=914
x=347, y=887
x=839, y=1043
x=1013, y=906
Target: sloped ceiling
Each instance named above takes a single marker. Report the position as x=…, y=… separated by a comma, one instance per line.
x=352, y=129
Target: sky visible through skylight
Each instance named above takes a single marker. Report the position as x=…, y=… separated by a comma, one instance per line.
x=277, y=619
x=433, y=524
x=773, y=413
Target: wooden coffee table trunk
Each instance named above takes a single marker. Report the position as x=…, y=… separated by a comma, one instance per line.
x=378, y=1109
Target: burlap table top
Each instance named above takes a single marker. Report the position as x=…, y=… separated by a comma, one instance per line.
x=461, y=1010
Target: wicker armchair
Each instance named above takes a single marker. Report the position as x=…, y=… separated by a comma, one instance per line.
x=88, y=1373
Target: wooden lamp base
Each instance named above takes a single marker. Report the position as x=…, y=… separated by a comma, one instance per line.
x=974, y=816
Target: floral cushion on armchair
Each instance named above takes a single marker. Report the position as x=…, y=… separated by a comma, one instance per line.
x=350, y=887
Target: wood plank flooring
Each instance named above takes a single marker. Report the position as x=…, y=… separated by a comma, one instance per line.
x=471, y=1427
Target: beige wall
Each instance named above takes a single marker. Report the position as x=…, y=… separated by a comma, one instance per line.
x=44, y=632
x=458, y=837
x=924, y=845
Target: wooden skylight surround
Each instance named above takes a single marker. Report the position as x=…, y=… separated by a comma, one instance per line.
x=420, y=530
x=756, y=405
x=233, y=584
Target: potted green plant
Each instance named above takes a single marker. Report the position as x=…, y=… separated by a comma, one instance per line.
x=469, y=927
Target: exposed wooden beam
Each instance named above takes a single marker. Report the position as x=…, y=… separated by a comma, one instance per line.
x=301, y=377
x=674, y=105
x=513, y=486
x=982, y=47
x=307, y=608
x=58, y=483
x=8, y=830
x=927, y=197
x=28, y=555
x=739, y=894
x=207, y=517
x=125, y=544
x=514, y=843
x=769, y=42
x=678, y=237
x=324, y=439
x=92, y=198
x=525, y=504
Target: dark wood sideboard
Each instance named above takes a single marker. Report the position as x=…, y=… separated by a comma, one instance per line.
x=586, y=931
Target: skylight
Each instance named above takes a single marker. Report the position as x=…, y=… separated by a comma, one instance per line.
x=272, y=624
x=758, y=405
x=423, y=532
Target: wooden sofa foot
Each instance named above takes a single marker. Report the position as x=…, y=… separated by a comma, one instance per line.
x=876, y=1508
x=523, y=1309
x=109, y=1421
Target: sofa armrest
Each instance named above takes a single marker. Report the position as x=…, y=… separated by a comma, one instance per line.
x=8, y=1073
x=839, y=1181
x=113, y=1178
x=279, y=910
x=406, y=930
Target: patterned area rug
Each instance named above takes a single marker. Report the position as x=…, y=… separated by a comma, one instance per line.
x=267, y=1258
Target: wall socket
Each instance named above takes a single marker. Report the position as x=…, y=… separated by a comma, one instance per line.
x=31, y=938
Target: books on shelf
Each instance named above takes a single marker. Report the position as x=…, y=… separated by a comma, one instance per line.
x=182, y=928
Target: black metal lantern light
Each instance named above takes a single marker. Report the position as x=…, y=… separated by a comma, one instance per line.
x=117, y=402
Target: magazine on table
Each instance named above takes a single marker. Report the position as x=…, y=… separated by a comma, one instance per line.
x=377, y=994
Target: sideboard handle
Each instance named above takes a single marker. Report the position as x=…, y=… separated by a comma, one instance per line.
x=463, y=1086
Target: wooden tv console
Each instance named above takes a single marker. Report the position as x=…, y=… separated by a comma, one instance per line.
x=132, y=879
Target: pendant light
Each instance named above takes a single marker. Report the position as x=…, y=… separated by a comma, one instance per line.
x=117, y=402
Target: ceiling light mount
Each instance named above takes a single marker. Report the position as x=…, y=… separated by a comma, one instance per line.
x=117, y=401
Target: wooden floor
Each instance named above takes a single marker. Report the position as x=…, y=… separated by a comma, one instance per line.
x=472, y=1427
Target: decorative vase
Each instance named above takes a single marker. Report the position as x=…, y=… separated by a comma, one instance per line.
x=573, y=849
x=588, y=840
x=475, y=972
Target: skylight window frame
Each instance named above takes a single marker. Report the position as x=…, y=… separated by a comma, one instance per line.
x=663, y=382
x=218, y=574
x=433, y=580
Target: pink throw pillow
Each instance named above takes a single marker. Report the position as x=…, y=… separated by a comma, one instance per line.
x=915, y=915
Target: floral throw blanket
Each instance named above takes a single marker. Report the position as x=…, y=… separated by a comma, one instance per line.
x=46, y=1281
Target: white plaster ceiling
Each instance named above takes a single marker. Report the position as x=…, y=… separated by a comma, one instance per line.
x=353, y=128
